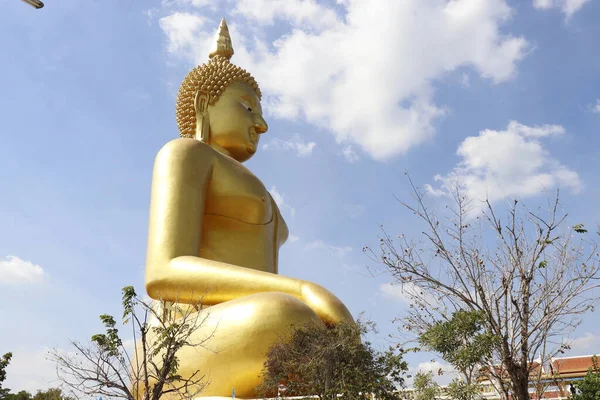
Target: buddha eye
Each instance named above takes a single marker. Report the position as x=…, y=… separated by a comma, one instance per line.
x=247, y=107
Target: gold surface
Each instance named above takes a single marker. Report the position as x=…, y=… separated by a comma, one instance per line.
x=211, y=78
x=215, y=233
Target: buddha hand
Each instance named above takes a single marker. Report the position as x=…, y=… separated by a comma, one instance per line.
x=324, y=303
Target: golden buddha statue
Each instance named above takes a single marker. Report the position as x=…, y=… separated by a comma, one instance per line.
x=215, y=231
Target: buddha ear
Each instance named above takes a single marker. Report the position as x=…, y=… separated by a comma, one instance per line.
x=202, y=117
x=201, y=102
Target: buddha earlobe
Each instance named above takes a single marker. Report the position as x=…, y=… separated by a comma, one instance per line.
x=202, y=117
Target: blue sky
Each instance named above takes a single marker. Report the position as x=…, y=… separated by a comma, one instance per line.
x=503, y=94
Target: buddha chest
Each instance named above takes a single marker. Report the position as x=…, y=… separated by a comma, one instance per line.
x=234, y=192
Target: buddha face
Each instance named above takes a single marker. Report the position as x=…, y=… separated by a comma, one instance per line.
x=236, y=121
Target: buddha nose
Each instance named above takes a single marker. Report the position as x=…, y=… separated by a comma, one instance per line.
x=260, y=124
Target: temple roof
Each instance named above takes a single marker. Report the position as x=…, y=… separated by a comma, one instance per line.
x=571, y=365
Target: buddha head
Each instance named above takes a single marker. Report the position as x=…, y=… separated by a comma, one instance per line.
x=219, y=103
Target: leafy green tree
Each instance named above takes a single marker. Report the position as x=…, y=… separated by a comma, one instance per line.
x=589, y=387
x=22, y=395
x=464, y=341
x=108, y=368
x=52, y=394
x=461, y=390
x=425, y=387
x=4, y=361
x=327, y=362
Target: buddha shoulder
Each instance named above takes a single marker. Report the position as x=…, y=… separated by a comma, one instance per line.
x=185, y=147
x=185, y=152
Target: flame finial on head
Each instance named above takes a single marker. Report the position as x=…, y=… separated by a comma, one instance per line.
x=223, y=46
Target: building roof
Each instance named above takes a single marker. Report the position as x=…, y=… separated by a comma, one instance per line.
x=568, y=366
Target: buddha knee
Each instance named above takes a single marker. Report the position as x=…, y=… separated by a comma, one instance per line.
x=286, y=309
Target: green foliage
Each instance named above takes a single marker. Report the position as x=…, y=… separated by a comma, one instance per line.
x=22, y=395
x=4, y=361
x=589, y=387
x=108, y=342
x=167, y=339
x=328, y=362
x=109, y=369
x=129, y=302
x=464, y=341
x=425, y=387
x=461, y=390
x=50, y=394
x=579, y=228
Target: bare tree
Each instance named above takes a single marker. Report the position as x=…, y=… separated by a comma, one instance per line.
x=530, y=275
x=145, y=369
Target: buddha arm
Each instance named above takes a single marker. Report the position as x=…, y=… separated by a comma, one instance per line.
x=174, y=272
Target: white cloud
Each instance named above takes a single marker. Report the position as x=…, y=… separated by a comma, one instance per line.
x=436, y=367
x=280, y=199
x=183, y=31
x=338, y=251
x=306, y=13
x=543, y=4
x=296, y=144
x=508, y=163
x=350, y=155
x=367, y=78
x=404, y=293
x=14, y=271
x=293, y=238
x=394, y=292
x=443, y=373
x=585, y=344
x=596, y=107
x=568, y=7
